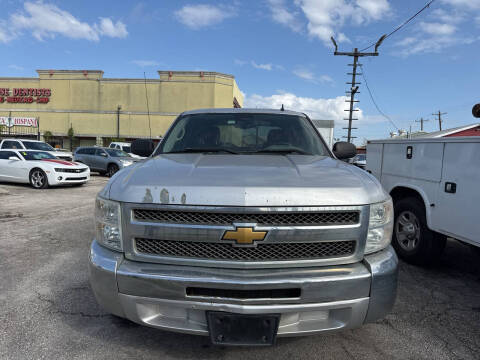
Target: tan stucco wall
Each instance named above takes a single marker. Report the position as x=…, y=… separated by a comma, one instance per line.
x=88, y=102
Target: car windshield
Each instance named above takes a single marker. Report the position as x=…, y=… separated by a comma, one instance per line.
x=243, y=133
x=116, y=153
x=32, y=145
x=361, y=157
x=36, y=155
x=127, y=149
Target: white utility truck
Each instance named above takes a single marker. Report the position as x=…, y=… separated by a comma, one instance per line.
x=434, y=183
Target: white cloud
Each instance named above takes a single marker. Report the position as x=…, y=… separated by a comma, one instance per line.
x=327, y=17
x=47, y=21
x=471, y=4
x=108, y=28
x=310, y=76
x=282, y=15
x=267, y=67
x=447, y=28
x=145, y=63
x=202, y=15
x=437, y=28
x=240, y=62
x=15, y=67
x=315, y=108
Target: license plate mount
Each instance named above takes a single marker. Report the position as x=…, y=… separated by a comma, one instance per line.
x=242, y=330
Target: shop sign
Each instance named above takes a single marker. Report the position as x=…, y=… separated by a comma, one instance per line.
x=18, y=121
x=25, y=95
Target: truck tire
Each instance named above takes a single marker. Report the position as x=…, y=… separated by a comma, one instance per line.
x=413, y=241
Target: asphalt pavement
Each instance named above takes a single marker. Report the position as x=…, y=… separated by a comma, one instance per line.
x=48, y=311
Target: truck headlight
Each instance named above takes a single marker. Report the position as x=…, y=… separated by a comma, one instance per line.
x=108, y=224
x=380, y=226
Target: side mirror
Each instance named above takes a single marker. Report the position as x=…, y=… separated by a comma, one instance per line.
x=344, y=150
x=143, y=147
x=13, y=158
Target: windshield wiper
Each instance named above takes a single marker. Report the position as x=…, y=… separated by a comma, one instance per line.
x=202, y=150
x=282, y=151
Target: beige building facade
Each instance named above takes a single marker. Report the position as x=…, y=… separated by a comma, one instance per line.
x=98, y=109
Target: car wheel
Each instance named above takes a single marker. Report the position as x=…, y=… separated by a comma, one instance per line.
x=412, y=239
x=112, y=169
x=38, y=179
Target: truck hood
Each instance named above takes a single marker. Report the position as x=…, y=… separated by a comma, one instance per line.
x=244, y=180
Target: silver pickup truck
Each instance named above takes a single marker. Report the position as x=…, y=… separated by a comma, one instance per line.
x=243, y=225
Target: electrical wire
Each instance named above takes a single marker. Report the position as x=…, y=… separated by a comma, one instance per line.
x=373, y=100
x=402, y=25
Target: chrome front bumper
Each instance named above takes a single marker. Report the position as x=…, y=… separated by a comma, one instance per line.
x=332, y=297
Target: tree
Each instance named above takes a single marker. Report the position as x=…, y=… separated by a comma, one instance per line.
x=47, y=136
x=71, y=135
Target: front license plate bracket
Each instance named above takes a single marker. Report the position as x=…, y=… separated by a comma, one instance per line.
x=242, y=330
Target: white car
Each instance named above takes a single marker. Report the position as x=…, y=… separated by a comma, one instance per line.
x=125, y=147
x=24, y=144
x=40, y=169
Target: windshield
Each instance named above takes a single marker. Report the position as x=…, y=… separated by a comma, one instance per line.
x=36, y=155
x=127, y=149
x=243, y=133
x=116, y=153
x=361, y=157
x=31, y=145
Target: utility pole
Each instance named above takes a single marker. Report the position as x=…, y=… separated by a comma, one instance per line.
x=439, y=114
x=353, y=84
x=421, y=121
x=118, y=121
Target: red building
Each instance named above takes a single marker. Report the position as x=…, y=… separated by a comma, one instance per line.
x=465, y=130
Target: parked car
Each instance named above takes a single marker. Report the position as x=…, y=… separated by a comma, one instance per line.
x=434, y=186
x=360, y=160
x=23, y=144
x=106, y=161
x=40, y=169
x=125, y=146
x=243, y=225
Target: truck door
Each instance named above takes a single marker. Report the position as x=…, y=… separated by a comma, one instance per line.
x=458, y=201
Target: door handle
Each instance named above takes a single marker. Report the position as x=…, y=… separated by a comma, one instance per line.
x=450, y=187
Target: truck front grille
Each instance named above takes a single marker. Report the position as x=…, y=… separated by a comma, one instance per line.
x=264, y=219
x=262, y=252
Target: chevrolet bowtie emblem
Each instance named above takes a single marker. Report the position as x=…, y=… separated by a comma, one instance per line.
x=244, y=235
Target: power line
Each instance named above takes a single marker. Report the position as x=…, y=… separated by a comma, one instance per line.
x=373, y=100
x=403, y=24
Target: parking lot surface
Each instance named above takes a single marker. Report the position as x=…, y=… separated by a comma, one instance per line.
x=47, y=310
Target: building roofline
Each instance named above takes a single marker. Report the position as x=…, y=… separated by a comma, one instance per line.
x=42, y=71
x=447, y=132
x=195, y=73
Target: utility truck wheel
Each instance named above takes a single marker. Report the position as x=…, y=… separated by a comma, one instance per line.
x=412, y=239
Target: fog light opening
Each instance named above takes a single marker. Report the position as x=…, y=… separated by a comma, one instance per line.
x=59, y=178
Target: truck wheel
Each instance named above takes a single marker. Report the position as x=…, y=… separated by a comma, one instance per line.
x=112, y=169
x=38, y=179
x=412, y=239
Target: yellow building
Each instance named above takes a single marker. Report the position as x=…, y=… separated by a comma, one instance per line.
x=99, y=109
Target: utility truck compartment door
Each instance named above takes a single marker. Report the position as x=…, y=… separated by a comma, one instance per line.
x=421, y=161
x=458, y=198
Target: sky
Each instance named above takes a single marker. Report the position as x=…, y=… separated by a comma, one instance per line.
x=278, y=50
